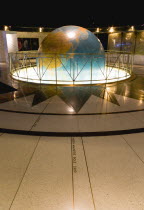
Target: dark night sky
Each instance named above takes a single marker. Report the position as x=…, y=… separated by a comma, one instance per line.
x=89, y=23
x=97, y=17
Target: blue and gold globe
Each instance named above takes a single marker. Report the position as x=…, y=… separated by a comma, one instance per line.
x=72, y=54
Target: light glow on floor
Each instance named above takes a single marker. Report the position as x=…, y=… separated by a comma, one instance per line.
x=31, y=74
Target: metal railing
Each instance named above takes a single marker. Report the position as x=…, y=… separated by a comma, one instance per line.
x=71, y=68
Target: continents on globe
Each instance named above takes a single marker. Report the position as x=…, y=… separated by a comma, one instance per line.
x=72, y=51
x=53, y=50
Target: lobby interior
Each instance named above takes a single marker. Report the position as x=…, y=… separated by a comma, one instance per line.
x=72, y=148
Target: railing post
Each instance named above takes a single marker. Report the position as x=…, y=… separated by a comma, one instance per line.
x=10, y=63
x=132, y=60
x=56, y=67
x=128, y=70
x=39, y=64
x=91, y=61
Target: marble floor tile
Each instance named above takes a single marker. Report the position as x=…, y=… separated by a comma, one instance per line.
x=81, y=184
x=47, y=184
x=57, y=105
x=24, y=104
x=56, y=123
x=109, y=122
x=127, y=103
x=92, y=123
x=17, y=121
x=98, y=105
x=136, y=142
x=116, y=173
x=15, y=154
x=123, y=121
x=19, y=104
x=138, y=116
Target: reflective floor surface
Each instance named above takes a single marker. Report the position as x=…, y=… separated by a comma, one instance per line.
x=72, y=148
x=47, y=109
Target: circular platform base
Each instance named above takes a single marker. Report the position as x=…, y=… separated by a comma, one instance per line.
x=32, y=75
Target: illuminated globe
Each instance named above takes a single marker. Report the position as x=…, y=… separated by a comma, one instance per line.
x=71, y=54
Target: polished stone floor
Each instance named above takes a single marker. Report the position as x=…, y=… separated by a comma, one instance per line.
x=88, y=110
x=72, y=148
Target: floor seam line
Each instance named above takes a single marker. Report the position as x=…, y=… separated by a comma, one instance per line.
x=88, y=174
x=73, y=191
x=133, y=150
x=38, y=119
x=24, y=173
